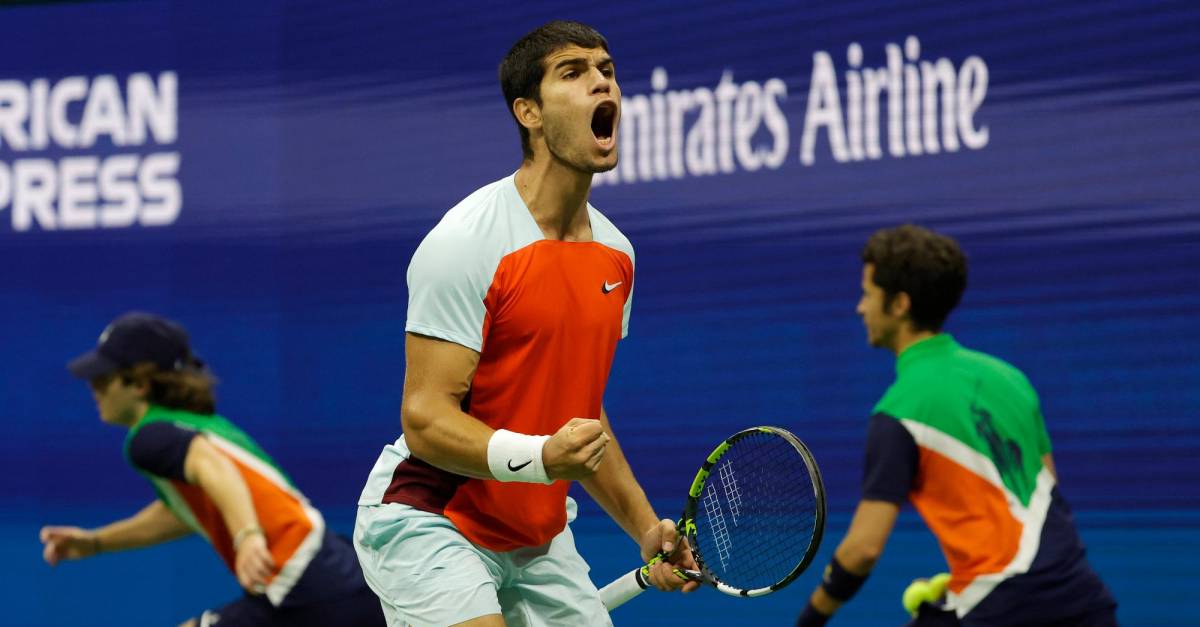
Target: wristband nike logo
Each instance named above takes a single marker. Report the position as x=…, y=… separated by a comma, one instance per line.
x=519, y=466
x=608, y=287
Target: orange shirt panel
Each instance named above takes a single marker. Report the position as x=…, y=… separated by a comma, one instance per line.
x=554, y=314
x=969, y=516
x=284, y=522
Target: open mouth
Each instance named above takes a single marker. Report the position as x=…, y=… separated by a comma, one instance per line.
x=603, y=120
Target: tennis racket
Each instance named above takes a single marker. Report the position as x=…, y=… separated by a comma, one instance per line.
x=754, y=518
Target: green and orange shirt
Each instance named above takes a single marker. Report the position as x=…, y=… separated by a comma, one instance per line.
x=295, y=532
x=545, y=317
x=961, y=435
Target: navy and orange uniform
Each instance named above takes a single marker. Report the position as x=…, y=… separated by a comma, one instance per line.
x=314, y=565
x=961, y=435
x=545, y=317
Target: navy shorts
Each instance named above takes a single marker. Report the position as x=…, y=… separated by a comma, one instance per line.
x=360, y=609
x=934, y=616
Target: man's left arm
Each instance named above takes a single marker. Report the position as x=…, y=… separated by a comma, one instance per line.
x=618, y=492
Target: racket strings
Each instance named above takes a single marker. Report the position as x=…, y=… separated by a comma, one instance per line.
x=725, y=471
x=717, y=527
x=757, y=514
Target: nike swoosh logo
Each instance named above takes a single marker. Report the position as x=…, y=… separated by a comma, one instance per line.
x=608, y=287
x=519, y=466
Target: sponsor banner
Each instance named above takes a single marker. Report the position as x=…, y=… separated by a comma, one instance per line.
x=119, y=135
x=909, y=105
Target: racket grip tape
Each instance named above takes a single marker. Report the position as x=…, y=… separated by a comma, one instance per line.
x=623, y=589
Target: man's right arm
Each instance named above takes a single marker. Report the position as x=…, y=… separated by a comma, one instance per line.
x=437, y=378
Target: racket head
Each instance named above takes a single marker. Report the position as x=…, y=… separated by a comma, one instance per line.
x=755, y=513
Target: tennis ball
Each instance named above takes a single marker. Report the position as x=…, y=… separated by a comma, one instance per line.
x=924, y=591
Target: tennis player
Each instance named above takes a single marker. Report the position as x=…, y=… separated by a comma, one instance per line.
x=960, y=434
x=517, y=299
x=211, y=479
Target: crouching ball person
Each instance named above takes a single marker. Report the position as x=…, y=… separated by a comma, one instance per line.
x=959, y=434
x=517, y=299
x=211, y=479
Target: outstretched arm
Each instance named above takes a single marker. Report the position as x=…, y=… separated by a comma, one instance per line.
x=618, y=492
x=154, y=524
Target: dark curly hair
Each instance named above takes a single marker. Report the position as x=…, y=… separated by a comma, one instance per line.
x=927, y=266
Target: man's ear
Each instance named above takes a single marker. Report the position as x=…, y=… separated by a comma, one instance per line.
x=528, y=113
x=901, y=305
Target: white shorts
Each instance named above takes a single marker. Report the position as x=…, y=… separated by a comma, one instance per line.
x=426, y=573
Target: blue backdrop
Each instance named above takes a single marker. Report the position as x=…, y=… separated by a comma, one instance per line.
x=263, y=172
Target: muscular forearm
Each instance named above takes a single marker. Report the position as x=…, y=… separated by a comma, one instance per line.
x=154, y=524
x=618, y=492
x=443, y=435
x=439, y=432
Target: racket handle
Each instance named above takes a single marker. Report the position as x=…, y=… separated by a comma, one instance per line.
x=622, y=589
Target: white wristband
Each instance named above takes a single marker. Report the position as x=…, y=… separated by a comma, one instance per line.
x=517, y=457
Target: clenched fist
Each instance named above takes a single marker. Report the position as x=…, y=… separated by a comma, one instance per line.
x=575, y=451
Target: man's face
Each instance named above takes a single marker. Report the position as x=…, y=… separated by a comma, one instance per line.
x=117, y=401
x=581, y=107
x=882, y=325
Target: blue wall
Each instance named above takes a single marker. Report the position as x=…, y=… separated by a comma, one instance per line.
x=317, y=142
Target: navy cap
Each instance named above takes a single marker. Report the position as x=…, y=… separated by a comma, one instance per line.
x=134, y=338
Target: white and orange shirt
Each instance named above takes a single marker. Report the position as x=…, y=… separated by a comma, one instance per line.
x=545, y=317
